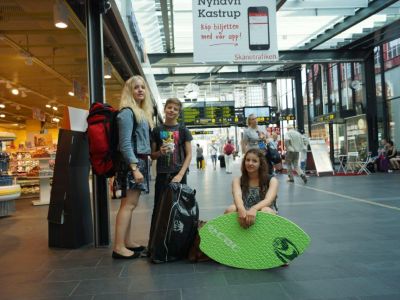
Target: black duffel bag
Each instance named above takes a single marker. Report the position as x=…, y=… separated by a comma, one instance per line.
x=175, y=226
x=273, y=154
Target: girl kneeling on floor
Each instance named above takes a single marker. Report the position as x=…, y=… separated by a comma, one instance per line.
x=254, y=191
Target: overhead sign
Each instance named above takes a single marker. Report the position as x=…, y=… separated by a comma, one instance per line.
x=261, y=112
x=209, y=113
x=234, y=31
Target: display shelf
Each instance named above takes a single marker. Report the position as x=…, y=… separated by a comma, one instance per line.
x=9, y=190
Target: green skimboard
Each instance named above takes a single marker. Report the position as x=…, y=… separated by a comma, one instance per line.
x=271, y=242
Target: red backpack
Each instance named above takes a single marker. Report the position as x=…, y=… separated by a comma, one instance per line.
x=229, y=149
x=102, y=133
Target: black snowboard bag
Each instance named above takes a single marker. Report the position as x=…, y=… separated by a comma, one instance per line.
x=177, y=217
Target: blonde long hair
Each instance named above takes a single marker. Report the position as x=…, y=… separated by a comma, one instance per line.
x=145, y=110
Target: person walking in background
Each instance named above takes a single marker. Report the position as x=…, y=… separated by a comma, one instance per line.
x=228, y=153
x=303, y=153
x=199, y=156
x=213, y=153
x=136, y=98
x=294, y=145
x=253, y=138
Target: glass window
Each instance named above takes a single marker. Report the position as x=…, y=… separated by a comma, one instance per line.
x=305, y=96
x=317, y=89
x=290, y=91
x=334, y=86
x=378, y=87
x=347, y=93
x=394, y=124
x=359, y=88
x=357, y=135
x=310, y=92
x=324, y=78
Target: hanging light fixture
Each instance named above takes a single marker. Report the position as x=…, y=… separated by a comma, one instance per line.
x=15, y=91
x=71, y=93
x=2, y=115
x=2, y=105
x=107, y=70
x=60, y=14
x=56, y=120
x=48, y=105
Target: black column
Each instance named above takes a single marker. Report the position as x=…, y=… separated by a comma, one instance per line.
x=299, y=100
x=94, y=28
x=371, y=109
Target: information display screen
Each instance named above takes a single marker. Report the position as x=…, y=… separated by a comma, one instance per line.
x=209, y=113
x=263, y=113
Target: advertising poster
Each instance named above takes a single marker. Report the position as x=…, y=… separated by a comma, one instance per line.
x=320, y=153
x=241, y=31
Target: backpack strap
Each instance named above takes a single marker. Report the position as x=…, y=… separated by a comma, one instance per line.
x=182, y=139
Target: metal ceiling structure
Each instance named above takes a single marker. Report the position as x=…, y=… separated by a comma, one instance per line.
x=44, y=62
x=309, y=31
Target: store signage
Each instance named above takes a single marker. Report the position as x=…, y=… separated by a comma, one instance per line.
x=241, y=31
x=79, y=90
x=325, y=118
x=37, y=114
x=287, y=118
x=197, y=132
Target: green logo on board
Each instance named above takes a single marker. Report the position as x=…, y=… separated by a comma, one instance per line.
x=284, y=249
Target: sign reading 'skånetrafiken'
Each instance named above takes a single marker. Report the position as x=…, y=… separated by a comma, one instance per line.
x=234, y=31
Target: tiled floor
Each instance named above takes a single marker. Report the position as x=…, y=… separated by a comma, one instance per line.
x=354, y=223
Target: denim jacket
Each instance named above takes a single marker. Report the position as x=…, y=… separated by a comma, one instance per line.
x=125, y=126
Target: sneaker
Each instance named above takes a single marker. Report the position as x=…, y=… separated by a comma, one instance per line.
x=290, y=180
x=304, y=178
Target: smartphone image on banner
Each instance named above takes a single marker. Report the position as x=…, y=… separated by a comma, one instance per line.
x=258, y=20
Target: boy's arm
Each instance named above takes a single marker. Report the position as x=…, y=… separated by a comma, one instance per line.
x=188, y=158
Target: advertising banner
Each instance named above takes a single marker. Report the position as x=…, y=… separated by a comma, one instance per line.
x=241, y=31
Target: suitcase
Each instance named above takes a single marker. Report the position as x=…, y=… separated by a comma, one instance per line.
x=221, y=159
x=177, y=216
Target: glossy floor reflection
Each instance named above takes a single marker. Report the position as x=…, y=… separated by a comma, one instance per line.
x=354, y=223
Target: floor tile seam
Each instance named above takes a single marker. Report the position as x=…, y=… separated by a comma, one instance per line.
x=350, y=197
x=76, y=287
x=285, y=291
x=149, y=274
x=128, y=292
x=47, y=277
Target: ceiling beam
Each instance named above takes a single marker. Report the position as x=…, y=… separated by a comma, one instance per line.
x=230, y=77
x=285, y=57
x=166, y=22
x=383, y=34
x=363, y=13
x=216, y=69
x=279, y=4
